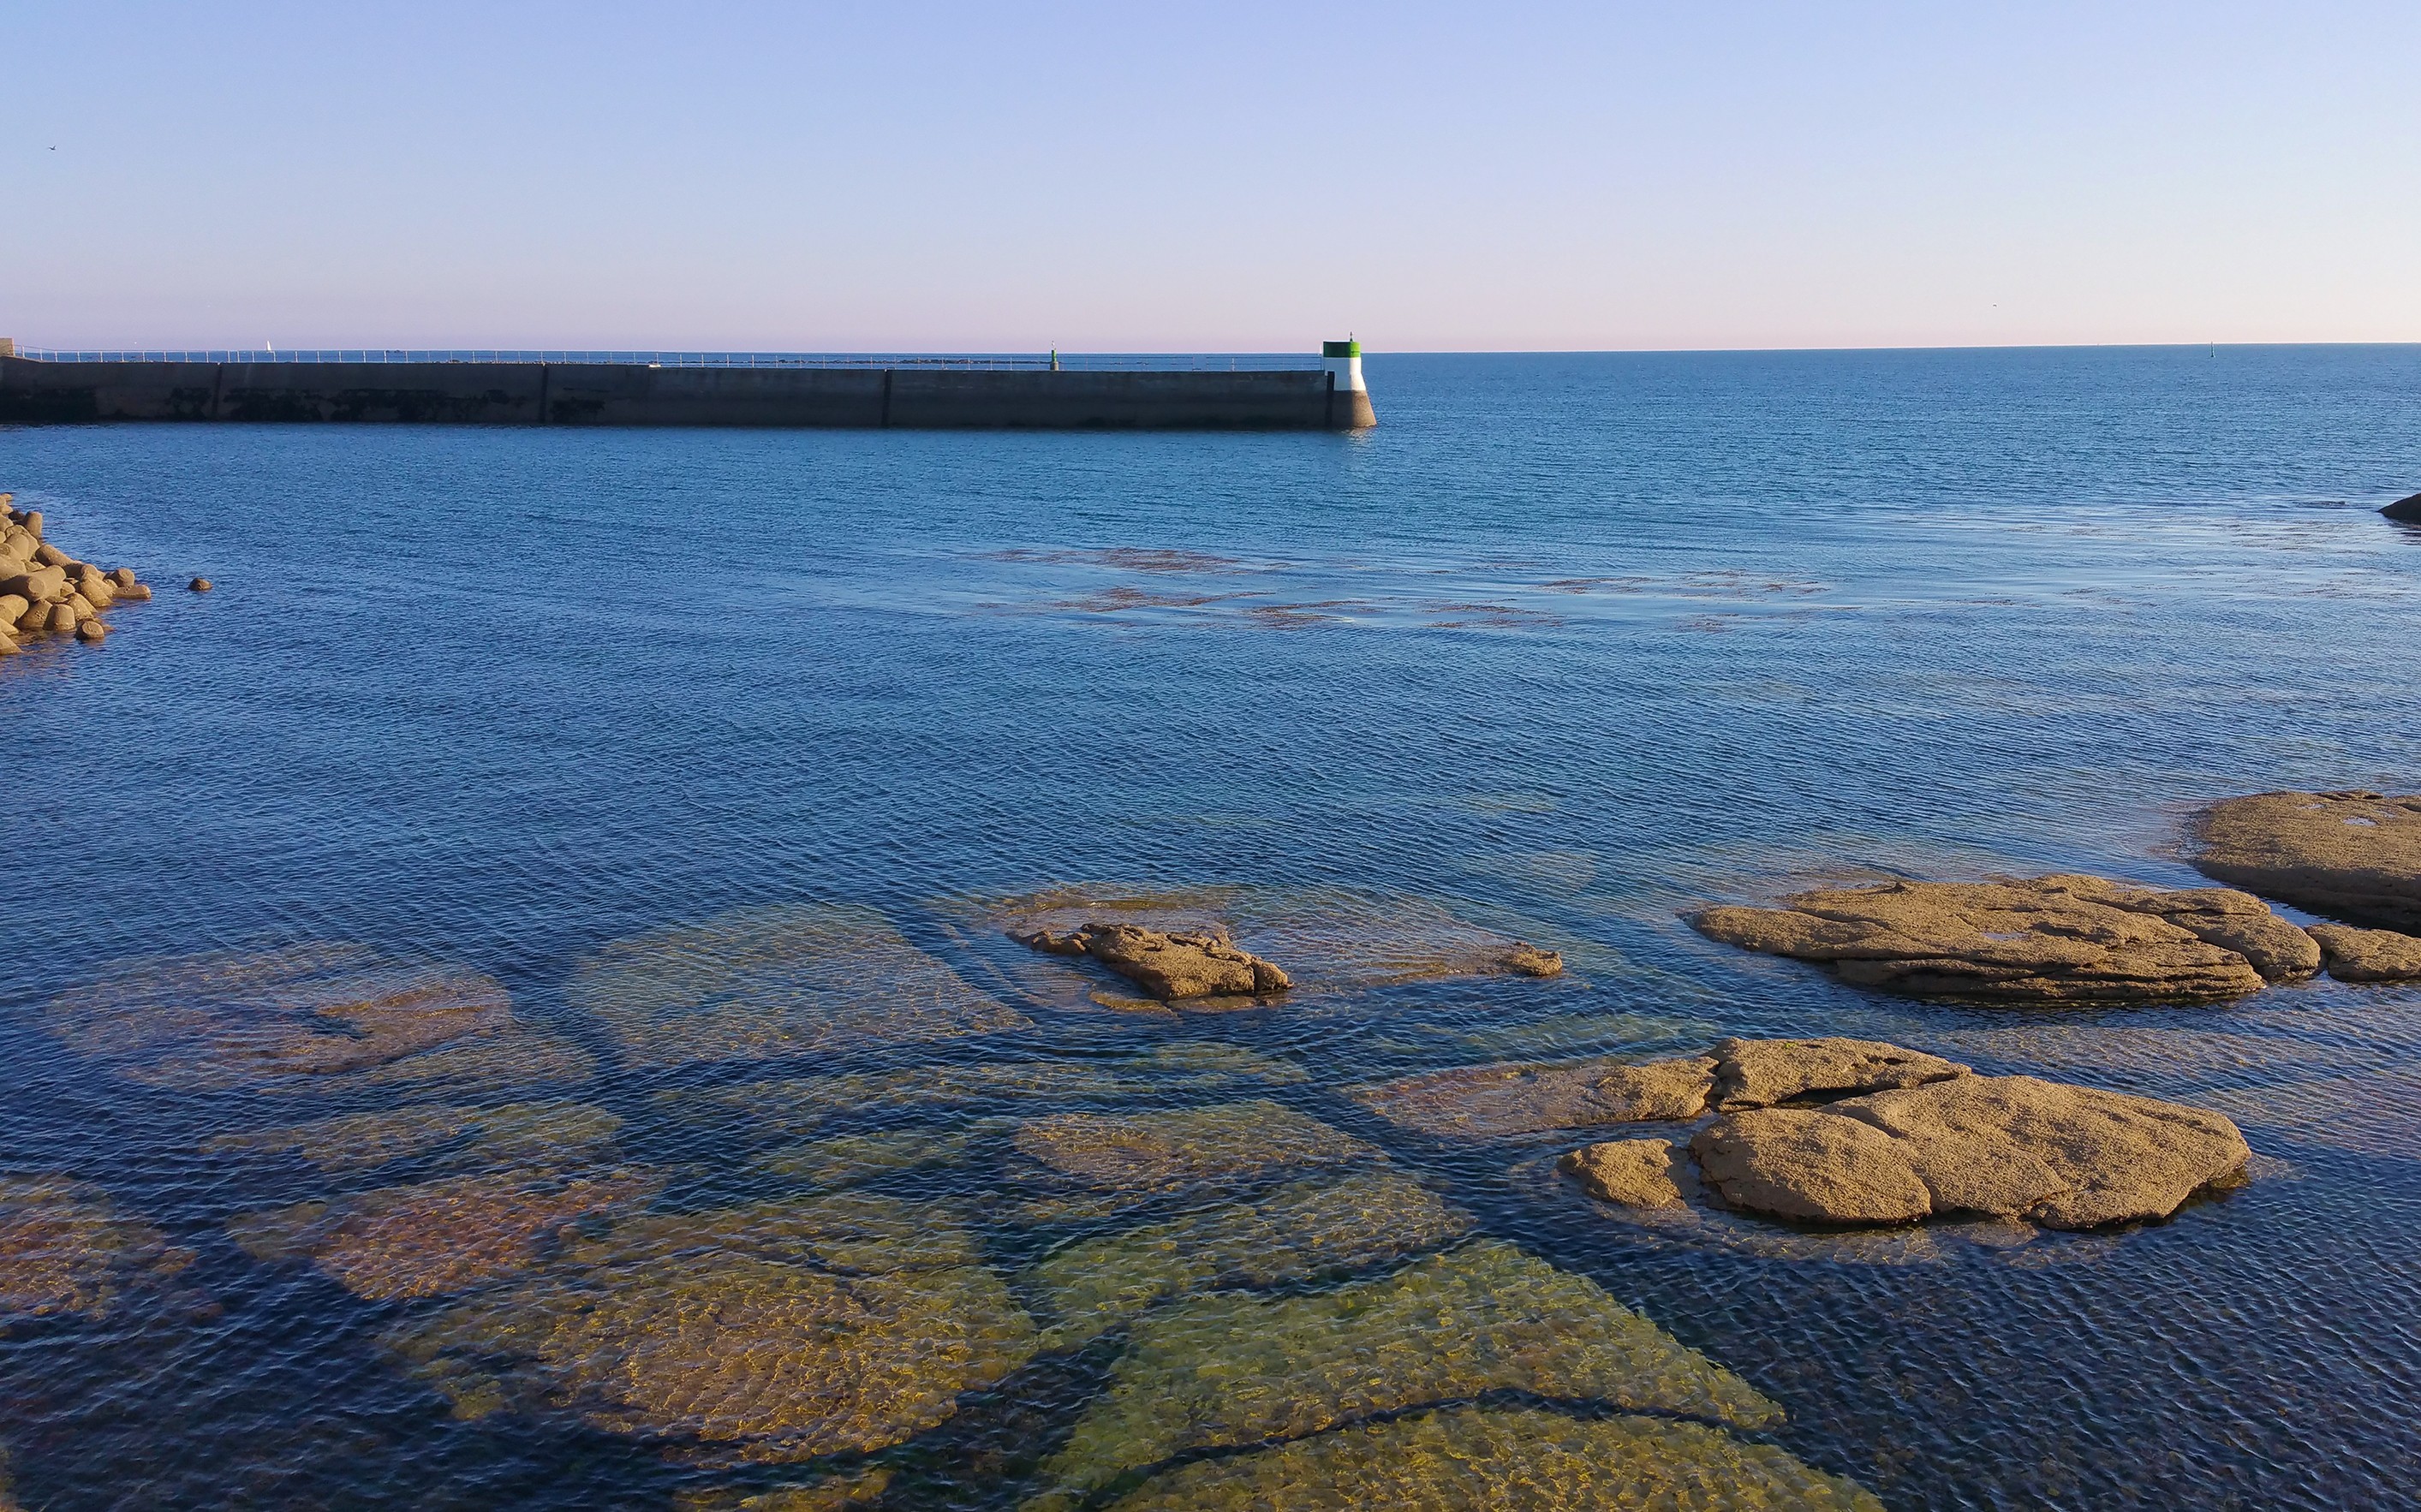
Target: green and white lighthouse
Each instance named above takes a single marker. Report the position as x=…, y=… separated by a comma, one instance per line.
x=1349, y=402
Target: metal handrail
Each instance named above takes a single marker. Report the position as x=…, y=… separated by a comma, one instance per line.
x=1071, y=361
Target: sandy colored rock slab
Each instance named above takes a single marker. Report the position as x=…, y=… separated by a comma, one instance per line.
x=1227, y=1143
x=797, y=1106
x=2355, y=955
x=437, y=1237
x=1232, y=1369
x=1506, y=1459
x=1809, y=1166
x=735, y=1336
x=2064, y=1157
x=1171, y=967
x=65, y=1249
x=2057, y=939
x=1629, y=1173
x=518, y=1133
x=2352, y=855
x=763, y=983
x=305, y=1018
x=1500, y=1101
x=1322, y=1227
x=1759, y=1073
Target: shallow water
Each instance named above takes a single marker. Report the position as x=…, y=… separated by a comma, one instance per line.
x=615, y=721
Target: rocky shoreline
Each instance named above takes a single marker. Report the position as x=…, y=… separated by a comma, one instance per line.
x=44, y=591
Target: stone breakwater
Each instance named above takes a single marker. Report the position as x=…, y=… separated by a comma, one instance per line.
x=44, y=591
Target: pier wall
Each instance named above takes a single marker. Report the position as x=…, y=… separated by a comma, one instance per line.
x=609, y=394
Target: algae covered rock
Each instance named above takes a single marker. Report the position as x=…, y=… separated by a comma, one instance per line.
x=1234, y=1369
x=305, y=1018
x=1324, y=1226
x=2064, y=1157
x=762, y=983
x=1629, y=1173
x=771, y=1333
x=2352, y=855
x=437, y=1237
x=2368, y=955
x=1226, y=1143
x=1501, y=1459
x=849, y=1159
x=518, y=1133
x=2057, y=938
x=827, y=1494
x=65, y=1249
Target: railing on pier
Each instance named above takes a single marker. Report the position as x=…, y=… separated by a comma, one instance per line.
x=1071, y=362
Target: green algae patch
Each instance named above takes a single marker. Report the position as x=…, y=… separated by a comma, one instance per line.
x=830, y=1494
x=64, y=1248
x=1311, y=1230
x=1476, y=1459
x=1233, y=1369
x=775, y=1332
x=517, y=1133
x=1226, y=1143
x=306, y=1017
x=763, y=983
x=437, y=1237
x=852, y=1160
x=795, y=1107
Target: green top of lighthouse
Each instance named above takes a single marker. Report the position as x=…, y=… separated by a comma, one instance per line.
x=1340, y=349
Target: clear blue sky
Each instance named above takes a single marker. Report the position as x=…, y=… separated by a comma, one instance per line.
x=1224, y=176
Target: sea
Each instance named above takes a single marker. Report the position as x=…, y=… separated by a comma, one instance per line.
x=687, y=781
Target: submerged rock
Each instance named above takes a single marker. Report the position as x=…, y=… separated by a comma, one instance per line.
x=1322, y=1227
x=519, y=1134
x=828, y=1493
x=2368, y=955
x=849, y=1159
x=2057, y=938
x=1170, y=967
x=2352, y=855
x=2064, y=1157
x=762, y=983
x=309, y=1017
x=63, y=1248
x=1629, y=1173
x=797, y=1106
x=437, y=1237
x=772, y=1334
x=1224, y=1143
x=1506, y=1459
x=1486, y=1317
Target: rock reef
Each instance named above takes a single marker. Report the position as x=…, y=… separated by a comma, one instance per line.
x=1170, y=967
x=2352, y=855
x=1856, y=1132
x=65, y=1249
x=2055, y=939
x=44, y=591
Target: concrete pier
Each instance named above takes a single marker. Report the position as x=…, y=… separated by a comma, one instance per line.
x=911, y=395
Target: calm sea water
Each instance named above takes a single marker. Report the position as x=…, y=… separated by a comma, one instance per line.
x=1566, y=645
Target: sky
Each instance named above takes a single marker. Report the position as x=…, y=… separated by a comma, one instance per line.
x=1234, y=176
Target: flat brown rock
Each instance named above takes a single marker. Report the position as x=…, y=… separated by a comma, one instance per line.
x=2368, y=955
x=1758, y=1073
x=2057, y=938
x=1494, y=1101
x=2065, y=1157
x=1168, y=966
x=2354, y=855
x=1630, y=1172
